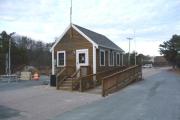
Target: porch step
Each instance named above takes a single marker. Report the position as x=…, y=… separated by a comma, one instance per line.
x=66, y=85
x=65, y=88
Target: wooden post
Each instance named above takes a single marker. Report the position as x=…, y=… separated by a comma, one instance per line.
x=140, y=72
x=117, y=82
x=57, y=83
x=80, y=85
x=103, y=91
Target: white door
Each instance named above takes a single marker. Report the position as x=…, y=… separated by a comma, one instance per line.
x=82, y=58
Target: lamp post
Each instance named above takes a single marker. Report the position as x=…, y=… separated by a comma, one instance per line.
x=129, y=49
x=9, y=60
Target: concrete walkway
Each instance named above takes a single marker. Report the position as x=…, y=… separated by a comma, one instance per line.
x=30, y=100
x=157, y=97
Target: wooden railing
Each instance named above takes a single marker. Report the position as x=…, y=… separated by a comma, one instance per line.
x=74, y=77
x=81, y=72
x=120, y=79
x=59, y=77
x=62, y=74
x=93, y=80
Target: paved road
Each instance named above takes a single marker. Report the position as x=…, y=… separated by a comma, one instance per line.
x=157, y=97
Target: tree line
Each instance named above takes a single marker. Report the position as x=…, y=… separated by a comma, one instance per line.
x=171, y=50
x=24, y=51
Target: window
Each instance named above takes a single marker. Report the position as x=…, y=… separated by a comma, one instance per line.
x=102, y=58
x=82, y=58
x=118, y=59
x=61, y=57
x=111, y=58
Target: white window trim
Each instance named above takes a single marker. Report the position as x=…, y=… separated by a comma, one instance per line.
x=58, y=58
x=86, y=54
x=101, y=50
x=117, y=59
x=110, y=58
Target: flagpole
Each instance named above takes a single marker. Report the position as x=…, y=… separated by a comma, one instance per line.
x=71, y=31
x=71, y=13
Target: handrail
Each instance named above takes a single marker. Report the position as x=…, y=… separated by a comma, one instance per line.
x=120, y=72
x=92, y=80
x=99, y=73
x=57, y=76
x=75, y=73
x=74, y=79
x=61, y=81
x=60, y=72
x=64, y=73
x=120, y=79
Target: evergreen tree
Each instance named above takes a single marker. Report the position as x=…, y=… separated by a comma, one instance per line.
x=170, y=50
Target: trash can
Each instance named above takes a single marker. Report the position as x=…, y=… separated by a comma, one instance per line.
x=53, y=80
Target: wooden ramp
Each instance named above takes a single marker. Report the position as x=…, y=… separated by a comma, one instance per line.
x=102, y=83
x=96, y=90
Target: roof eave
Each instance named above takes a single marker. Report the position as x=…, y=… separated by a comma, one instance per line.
x=84, y=35
x=60, y=37
x=111, y=48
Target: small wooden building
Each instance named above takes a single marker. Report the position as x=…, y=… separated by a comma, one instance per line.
x=78, y=46
x=160, y=61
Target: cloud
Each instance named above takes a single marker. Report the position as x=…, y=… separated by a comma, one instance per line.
x=7, y=18
x=152, y=20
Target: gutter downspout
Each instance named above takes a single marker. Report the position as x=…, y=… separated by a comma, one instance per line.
x=53, y=68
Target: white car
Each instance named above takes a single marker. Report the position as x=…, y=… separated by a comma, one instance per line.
x=147, y=66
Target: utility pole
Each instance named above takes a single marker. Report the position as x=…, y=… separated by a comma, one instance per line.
x=9, y=61
x=129, y=49
x=134, y=49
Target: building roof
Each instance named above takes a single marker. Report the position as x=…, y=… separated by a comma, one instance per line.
x=93, y=37
x=99, y=39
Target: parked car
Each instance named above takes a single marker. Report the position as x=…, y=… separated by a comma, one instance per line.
x=147, y=66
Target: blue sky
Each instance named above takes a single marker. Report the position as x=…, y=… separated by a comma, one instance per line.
x=152, y=21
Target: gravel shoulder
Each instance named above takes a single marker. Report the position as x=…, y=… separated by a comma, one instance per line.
x=31, y=100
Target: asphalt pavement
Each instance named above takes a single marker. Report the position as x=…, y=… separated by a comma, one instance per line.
x=157, y=97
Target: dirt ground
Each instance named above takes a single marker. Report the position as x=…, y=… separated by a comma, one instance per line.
x=31, y=100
